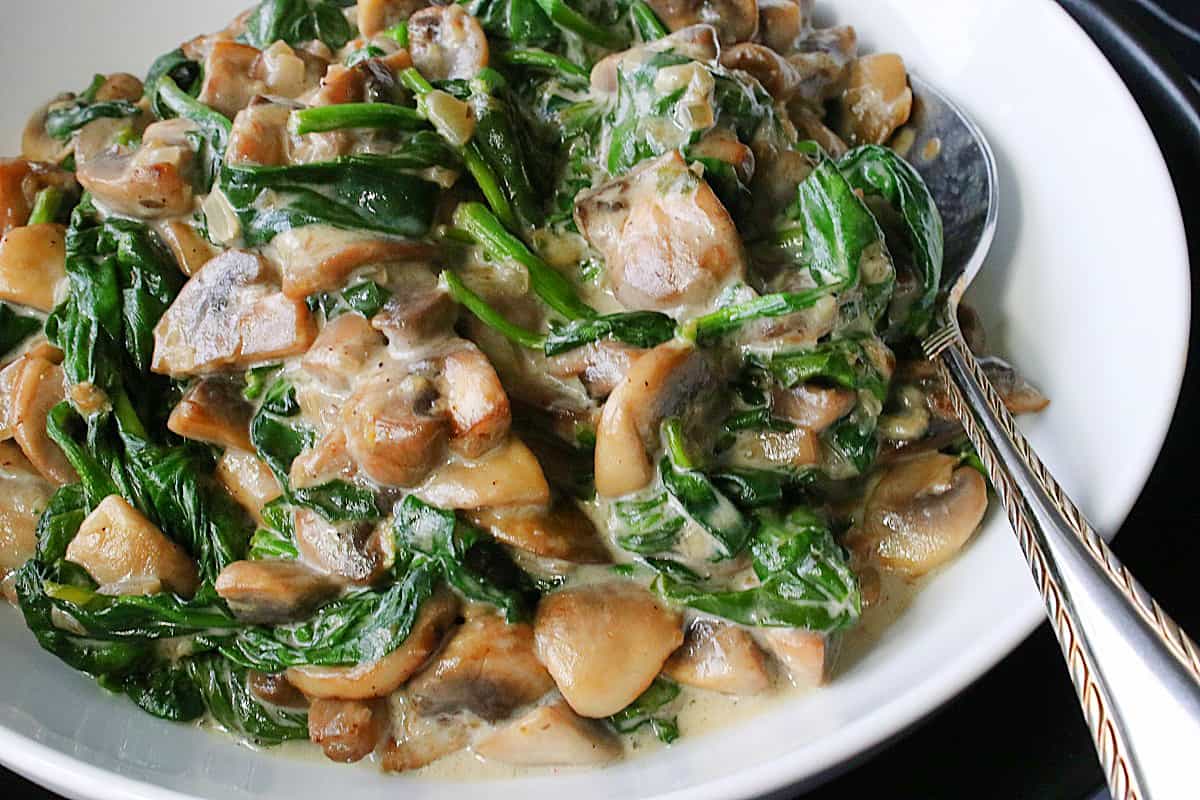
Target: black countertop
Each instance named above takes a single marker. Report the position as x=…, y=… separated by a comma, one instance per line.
x=983, y=745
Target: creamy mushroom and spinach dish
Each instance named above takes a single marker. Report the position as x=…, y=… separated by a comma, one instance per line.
x=495, y=378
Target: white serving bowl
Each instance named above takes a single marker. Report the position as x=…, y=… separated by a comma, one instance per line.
x=1086, y=290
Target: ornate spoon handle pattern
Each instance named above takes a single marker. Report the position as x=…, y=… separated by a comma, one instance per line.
x=1136, y=672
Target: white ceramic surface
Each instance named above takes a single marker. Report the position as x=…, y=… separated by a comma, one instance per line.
x=1087, y=290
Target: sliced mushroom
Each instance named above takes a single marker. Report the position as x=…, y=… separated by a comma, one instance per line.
x=666, y=239
x=395, y=428
x=230, y=315
x=659, y=384
x=260, y=134
x=376, y=16
x=561, y=531
x=447, y=43
x=810, y=126
x=807, y=657
x=921, y=513
x=214, y=411
x=248, y=480
x=23, y=496
x=509, y=475
x=36, y=386
x=382, y=677
x=416, y=318
x=795, y=449
x=191, y=250
x=823, y=63
x=329, y=459
x=551, y=736
x=150, y=182
x=780, y=23
x=876, y=100
x=20, y=181
x=480, y=416
x=342, y=350
x=600, y=365
x=33, y=265
x=604, y=643
x=812, y=406
x=118, y=546
x=272, y=591
x=773, y=71
x=488, y=667
x=347, y=730
x=721, y=658
x=734, y=20
x=275, y=689
x=37, y=144
x=421, y=739
x=351, y=551
x=722, y=144
x=318, y=258
x=235, y=73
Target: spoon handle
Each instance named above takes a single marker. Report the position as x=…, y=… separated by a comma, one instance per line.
x=1136, y=672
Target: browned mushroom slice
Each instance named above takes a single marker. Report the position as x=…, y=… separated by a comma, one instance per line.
x=381, y=678
x=416, y=317
x=480, y=416
x=807, y=657
x=230, y=315
x=600, y=365
x=235, y=73
x=921, y=514
x=191, y=250
x=659, y=384
x=562, y=531
x=329, y=459
x=811, y=406
x=33, y=265
x=248, y=480
x=214, y=411
x=376, y=16
x=421, y=740
x=734, y=20
x=876, y=101
x=150, y=182
x=272, y=591
x=37, y=144
x=795, y=449
x=780, y=23
x=36, y=386
x=20, y=181
x=275, y=689
x=604, y=643
x=772, y=70
x=23, y=496
x=347, y=730
x=120, y=547
x=260, y=134
x=318, y=258
x=349, y=550
x=395, y=429
x=719, y=657
x=488, y=667
x=342, y=349
x=666, y=239
x=810, y=126
x=823, y=63
x=722, y=144
x=551, y=736
x=509, y=475
x=447, y=43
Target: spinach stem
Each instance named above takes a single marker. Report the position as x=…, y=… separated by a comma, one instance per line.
x=46, y=205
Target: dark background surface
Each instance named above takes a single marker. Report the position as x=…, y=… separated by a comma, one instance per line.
x=1017, y=733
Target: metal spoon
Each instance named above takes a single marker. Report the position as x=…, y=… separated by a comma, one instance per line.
x=1137, y=673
